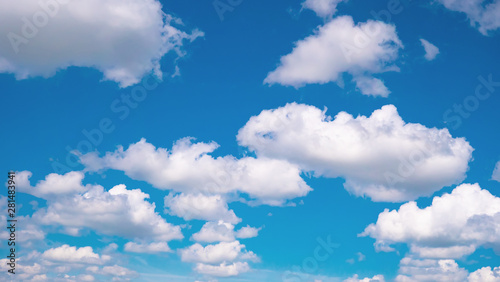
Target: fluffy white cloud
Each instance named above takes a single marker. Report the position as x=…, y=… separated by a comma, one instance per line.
x=118, y=211
x=413, y=270
x=199, y=206
x=322, y=8
x=215, y=254
x=380, y=156
x=453, y=226
x=356, y=278
x=223, y=232
x=224, y=269
x=155, y=247
x=188, y=168
x=483, y=14
x=341, y=47
x=54, y=184
x=66, y=253
x=215, y=232
x=125, y=40
x=485, y=274
x=247, y=232
x=431, y=51
x=496, y=173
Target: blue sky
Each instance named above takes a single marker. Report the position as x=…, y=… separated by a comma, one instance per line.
x=317, y=140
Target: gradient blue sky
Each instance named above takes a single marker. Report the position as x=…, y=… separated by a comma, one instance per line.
x=219, y=87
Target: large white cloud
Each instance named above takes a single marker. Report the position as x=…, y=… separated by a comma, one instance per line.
x=483, y=14
x=118, y=211
x=380, y=156
x=339, y=47
x=322, y=8
x=125, y=40
x=453, y=226
x=199, y=206
x=188, y=168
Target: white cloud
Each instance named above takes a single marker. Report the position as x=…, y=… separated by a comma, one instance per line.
x=155, y=247
x=188, y=168
x=215, y=254
x=199, y=206
x=496, y=172
x=453, y=226
x=54, y=184
x=483, y=14
x=247, y=232
x=215, y=232
x=380, y=156
x=356, y=278
x=415, y=270
x=118, y=212
x=485, y=274
x=341, y=47
x=431, y=51
x=322, y=8
x=69, y=254
x=224, y=269
x=125, y=40
x=223, y=232
x=371, y=86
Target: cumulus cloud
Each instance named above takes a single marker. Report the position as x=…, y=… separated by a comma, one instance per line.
x=483, y=14
x=119, y=211
x=453, y=226
x=485, y=274
x=247, y=232
x=430, y=270
x=53, y=185
x=496, y=173
x=380, y=156
x=215, y=232
x=215, y=254
x=322, y=8
x=341, y=47
x=431, y=51
x=188, y=168
x=199, y=206
x=125, y=40
x=66, y=253
x=356, y=278
x=67, y=263
x=223, y=232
